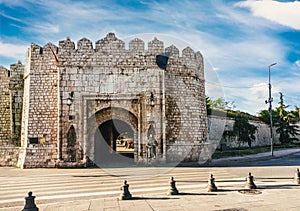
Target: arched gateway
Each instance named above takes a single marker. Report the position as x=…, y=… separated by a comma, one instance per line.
x=112, y=137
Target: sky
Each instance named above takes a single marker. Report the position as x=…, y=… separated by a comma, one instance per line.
x=238, y=39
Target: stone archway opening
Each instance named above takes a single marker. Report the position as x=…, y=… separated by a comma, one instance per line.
x=113, y=143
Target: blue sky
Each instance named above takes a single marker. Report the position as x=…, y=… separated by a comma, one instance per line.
x=238, y=39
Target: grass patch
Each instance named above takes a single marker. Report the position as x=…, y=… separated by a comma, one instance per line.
x=249, y=151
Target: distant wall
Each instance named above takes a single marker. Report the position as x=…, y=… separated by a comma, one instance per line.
x=219, y=125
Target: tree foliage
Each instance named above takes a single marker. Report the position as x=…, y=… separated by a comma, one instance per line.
x=208, y=105
x=243, y=130
x=219, y=107
x=284, y=120
x=285, y=123
x=221, y=104
x=264, y=116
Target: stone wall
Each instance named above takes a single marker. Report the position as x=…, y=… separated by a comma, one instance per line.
x=11, y=93
x=5, y=123
x=9, y=156
x=16, y=87
x=40, y=108
x=262, y=135
x=219, y=125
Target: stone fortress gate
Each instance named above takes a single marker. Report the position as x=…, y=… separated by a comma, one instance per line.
x=108, y=105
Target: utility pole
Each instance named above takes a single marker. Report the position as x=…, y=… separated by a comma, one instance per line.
x=270, y=100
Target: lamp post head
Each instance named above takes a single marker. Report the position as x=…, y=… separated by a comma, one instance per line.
x=272, y=64
x=70, y=98
x=69, y=101
x=152, y=102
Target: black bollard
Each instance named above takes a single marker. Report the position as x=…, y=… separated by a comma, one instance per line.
x=29, y=203
x=297, y=177
x=250, y=182
x=172, y=190
x=125, y=195
x=211, y=184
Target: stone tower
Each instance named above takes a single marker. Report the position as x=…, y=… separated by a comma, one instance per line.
x=103, y=104
x=11, y=97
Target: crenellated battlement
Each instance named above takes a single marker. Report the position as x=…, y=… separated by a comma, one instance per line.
x=137, y=46
x=37, y=51
x=111, y=44
x=173, y=50
x=87, y=54
x=84, y=44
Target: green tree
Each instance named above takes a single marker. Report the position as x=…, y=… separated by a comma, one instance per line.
x=285, y=123
x=208, y=105
x=264, y=116
x=243, y=130
x=219, y=107
x=222, y=104
x=296, y=113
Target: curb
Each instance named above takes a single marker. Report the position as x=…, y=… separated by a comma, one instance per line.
x=249, y=159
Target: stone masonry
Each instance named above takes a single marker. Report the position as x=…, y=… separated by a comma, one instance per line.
x=16, y=87
x=11, y=90
x=70, y=94
x=5, y=128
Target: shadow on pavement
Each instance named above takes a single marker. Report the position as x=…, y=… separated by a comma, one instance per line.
x=278, y=186
x=151, y=198
x=196, y=194
x=274, y=178
x=237, y=180
x=205, y=181
x=196, y=181
x=99, y=175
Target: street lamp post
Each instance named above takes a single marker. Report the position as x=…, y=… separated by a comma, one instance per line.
x=270, y=100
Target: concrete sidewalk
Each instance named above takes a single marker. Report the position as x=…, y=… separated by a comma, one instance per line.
x=276, y=190
x=254, y=157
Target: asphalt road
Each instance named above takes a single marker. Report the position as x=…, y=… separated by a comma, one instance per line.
x=291, y=160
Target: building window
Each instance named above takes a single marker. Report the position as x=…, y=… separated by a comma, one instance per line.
x=33, y=140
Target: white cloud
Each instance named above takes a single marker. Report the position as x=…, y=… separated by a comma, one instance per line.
x=288, y=85
x=284, y=13
x=47, y=28
x=297, y=63
x=249, y=98
x=10, y=17
x=254, y=51
x=9, y=50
